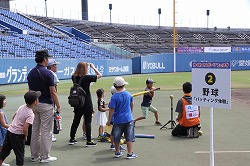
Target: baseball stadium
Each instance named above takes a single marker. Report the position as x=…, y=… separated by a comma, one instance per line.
x=167, y=55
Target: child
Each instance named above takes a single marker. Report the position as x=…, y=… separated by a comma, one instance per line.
x=3, y=120
x=18, y=131
x=146, y=103
x=101, y=118
x=112, y=146
x=120, y=108
x=3, y=123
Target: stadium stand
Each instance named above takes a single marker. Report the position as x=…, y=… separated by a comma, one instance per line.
x=23, y=34
x=153, y=39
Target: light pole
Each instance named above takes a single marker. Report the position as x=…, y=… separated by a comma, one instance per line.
x=174, y=35
x=159, y=12
x=208, y=11
x=110, y=8
x=46, y=8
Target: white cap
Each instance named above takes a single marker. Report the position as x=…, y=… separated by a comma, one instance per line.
x=53, y=62
x=119, y=81
x=112, y=90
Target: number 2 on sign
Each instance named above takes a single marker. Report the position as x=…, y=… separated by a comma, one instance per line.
x=210, y=78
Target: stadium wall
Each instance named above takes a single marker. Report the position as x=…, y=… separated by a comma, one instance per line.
x=160, y=63
x=16, y=70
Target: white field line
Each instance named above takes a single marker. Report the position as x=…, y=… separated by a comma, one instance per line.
x=206, y=152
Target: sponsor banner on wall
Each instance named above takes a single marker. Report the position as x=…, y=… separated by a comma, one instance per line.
x=217, y=49
x=241, y=49
x=157, y=63
x=111, y=67
x=119, y=67
x=238, y=61
x=16, y=71
x=190, y=49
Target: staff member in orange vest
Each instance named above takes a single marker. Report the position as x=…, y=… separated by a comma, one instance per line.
x=189, y=115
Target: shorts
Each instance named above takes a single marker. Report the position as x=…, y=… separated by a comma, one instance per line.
x=146, y=109
x=127, y=129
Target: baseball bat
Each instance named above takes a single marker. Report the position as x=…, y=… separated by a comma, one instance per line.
x=144, y=136
x=143, y=92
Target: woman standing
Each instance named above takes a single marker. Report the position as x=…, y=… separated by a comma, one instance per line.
x=87, y=109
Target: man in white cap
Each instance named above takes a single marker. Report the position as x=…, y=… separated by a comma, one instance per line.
x=52, y=66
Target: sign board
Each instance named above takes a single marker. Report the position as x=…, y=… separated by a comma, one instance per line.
x=211, y=84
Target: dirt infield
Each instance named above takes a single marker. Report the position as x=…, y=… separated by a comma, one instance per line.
x=242, y=95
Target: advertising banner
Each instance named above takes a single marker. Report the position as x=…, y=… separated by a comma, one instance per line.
x=241, y=49
x=217, y=49
x=16, y=71
x=157, y=63
x=190, y=49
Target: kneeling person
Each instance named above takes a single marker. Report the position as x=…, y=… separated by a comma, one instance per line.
x=189, y=115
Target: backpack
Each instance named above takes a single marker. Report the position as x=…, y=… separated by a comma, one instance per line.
x=77, y=94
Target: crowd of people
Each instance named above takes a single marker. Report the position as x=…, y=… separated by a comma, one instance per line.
x=34, y=120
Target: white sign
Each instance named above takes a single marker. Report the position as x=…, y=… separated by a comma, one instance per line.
x=217, y=49
x=211, y=84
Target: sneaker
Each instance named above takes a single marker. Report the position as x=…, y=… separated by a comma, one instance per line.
x=84, y=136
x=54, y=138
x=50, y=159
x=72, y=142
x=90, y=144
x=112, y=147
x=4, y=164
x=196, y=134
x=200, y=132
x=190, y=132
x=34, y=159
x=132, y=156
x=122, y=148
x=157, y=123
x=118, y=154
x=100, y=137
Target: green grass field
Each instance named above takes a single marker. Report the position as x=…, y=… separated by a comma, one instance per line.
x=166, y=81
x=231, y=133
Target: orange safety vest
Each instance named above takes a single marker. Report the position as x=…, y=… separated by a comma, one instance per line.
x=190, y=114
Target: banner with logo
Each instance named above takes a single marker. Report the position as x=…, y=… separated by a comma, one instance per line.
x=190, y=49
x=217, y=49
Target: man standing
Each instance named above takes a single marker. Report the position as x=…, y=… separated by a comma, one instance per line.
x=41, y=79
x=52, y=66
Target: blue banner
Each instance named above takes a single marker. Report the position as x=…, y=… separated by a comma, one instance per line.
x=238, y=61
x=16, y=71
x=159, y=63
x=241, y=49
